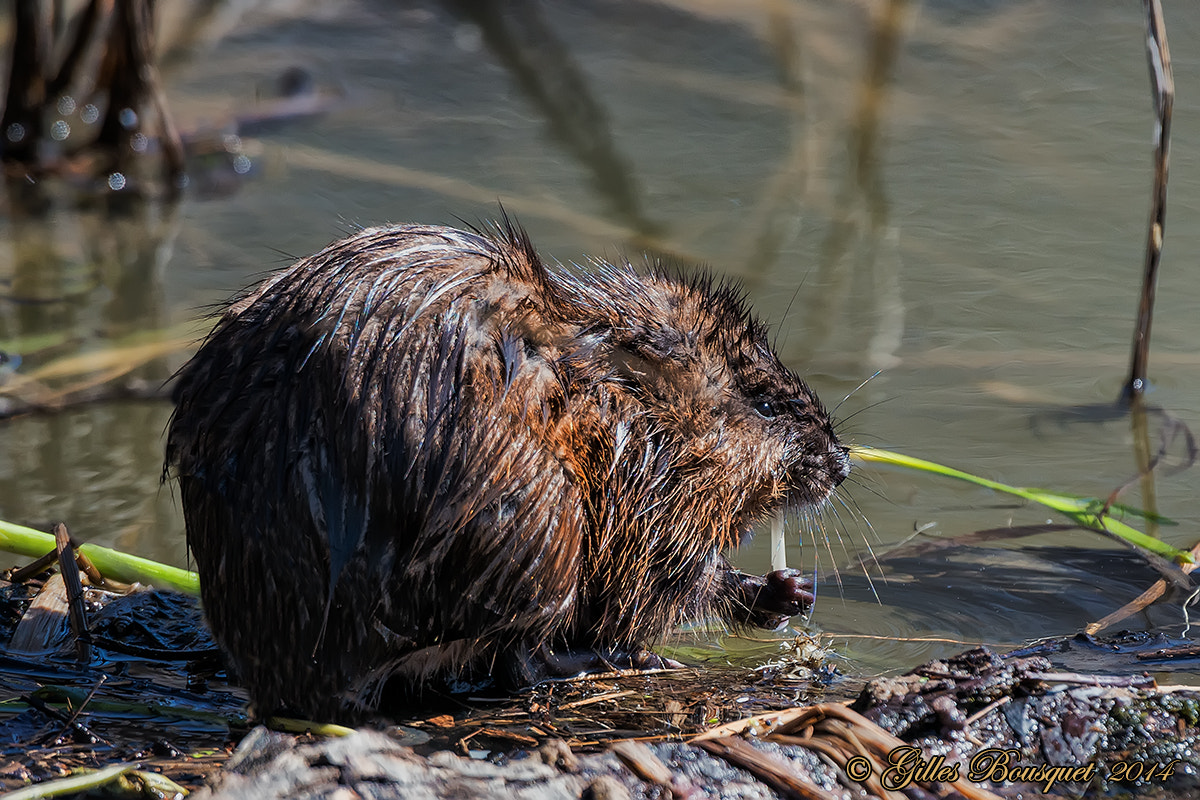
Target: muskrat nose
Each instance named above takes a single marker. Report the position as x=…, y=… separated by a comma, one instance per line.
x=839, y=464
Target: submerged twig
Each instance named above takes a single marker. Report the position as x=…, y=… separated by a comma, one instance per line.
x=1164, y=99
x=71, y=724
x=74, y=717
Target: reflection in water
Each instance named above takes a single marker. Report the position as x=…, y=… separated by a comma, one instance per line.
x=937, y=604
x=786, y=143
x=117, y=254
x=782, y=205
x=874, y=260
x=547, y=73
x=81, y=311
x=105, y=54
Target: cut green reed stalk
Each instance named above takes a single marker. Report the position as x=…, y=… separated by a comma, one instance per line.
x=1087, y=512
x=112, y=563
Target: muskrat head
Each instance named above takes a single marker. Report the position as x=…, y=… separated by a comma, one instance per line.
x=742, y=426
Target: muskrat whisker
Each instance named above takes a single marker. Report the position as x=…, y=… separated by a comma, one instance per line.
x=838, y=524
x=868, y=483
x=786, y=312
x=843, y=496
x=840, y=425
x=284, y=257
x=859, y=562
x=851, y=393
x=838, y=528
x=815, y=523
x=867, y=536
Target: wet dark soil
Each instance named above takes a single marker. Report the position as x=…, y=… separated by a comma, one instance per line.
x=154, y=691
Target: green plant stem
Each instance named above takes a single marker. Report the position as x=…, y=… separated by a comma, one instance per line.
x=112, y=563
x=1087, y=512
x=292, y=725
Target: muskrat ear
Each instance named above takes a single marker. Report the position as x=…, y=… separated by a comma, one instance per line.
x=652, y=355
x=660, y=344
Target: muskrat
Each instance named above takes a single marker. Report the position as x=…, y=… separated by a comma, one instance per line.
x=424, y=457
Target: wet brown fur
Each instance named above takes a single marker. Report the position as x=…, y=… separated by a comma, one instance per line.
x=478, y=455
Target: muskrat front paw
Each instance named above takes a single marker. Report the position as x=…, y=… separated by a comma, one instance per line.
x=767, y=601
x=788, y=591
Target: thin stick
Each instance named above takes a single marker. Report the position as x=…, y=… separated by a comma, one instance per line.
x=34, y=567
x=1163, y=85
x=70, y=573
x=1144, y=600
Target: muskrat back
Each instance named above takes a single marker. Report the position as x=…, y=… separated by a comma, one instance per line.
x=423, y=455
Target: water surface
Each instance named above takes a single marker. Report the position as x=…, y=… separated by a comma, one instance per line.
x=952, y=194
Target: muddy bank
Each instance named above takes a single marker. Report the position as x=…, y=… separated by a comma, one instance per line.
x=975, y=726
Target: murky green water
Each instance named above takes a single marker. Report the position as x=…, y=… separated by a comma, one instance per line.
x=958, y=200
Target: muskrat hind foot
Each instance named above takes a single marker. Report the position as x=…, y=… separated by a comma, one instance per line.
x=768, y=601
x=531, y=666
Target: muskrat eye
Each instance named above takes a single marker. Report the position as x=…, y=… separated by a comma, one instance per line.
x=765, y=408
